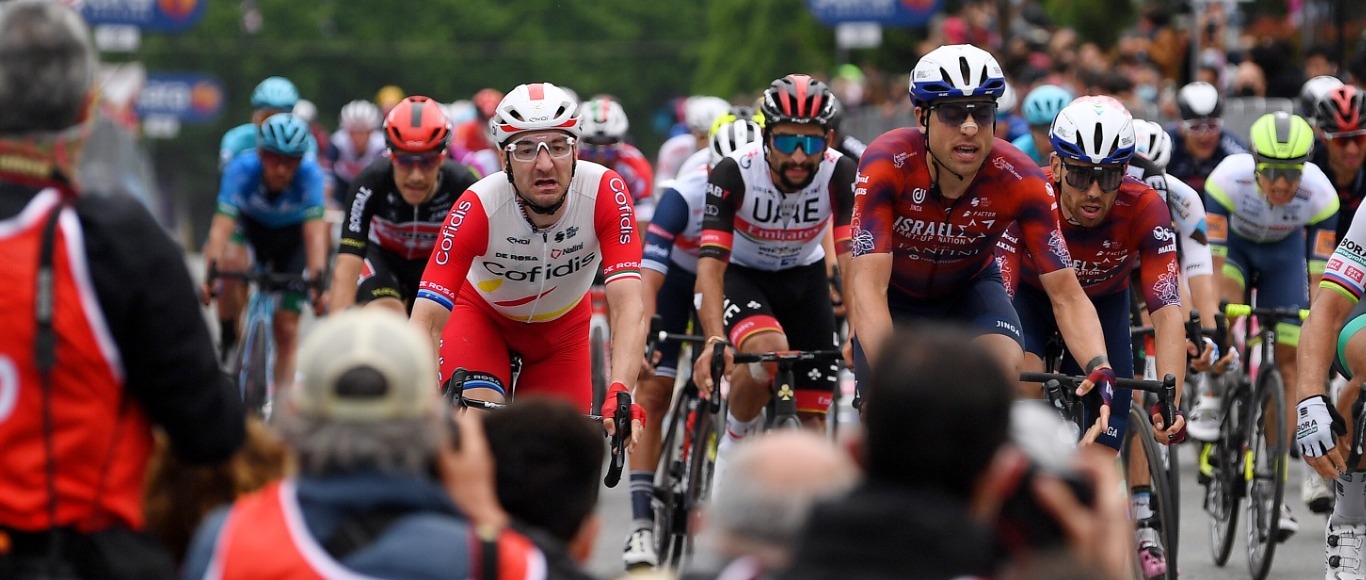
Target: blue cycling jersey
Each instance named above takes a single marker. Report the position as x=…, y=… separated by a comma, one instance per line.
x=243, y=194
x=243, y=138
x=1025, y=143
x=674, y=235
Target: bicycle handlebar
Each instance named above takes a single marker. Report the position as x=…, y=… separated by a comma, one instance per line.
x=1164, y=389
x=266, y=281
x=453, y=392
x=1236, y=310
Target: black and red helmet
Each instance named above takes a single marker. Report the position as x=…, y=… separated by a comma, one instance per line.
x=417, y=125
x=798, y=99
x=1341, y=109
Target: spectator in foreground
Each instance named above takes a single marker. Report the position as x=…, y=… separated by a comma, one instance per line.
x=368, y=430
x=547, y=458
x=758, y=513
x=123, y=347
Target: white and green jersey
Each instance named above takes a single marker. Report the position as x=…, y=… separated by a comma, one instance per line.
x=1236, y=206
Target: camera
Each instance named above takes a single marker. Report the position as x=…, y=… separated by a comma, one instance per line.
x=1050, y=444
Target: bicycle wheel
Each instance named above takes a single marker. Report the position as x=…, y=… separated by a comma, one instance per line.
x=701, y=464
x=1224, y=492
x=1265, y=471
x=597, y=347
x=253, y=376
x=671, y=514
x=1141, y=429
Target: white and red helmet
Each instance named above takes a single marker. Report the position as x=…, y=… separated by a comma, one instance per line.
x=534, y=107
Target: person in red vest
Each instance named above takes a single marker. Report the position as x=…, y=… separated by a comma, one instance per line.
x=367, y=428
x=102, y=338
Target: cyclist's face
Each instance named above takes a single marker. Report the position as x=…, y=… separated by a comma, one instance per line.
x=1202, y=136
x=1087, y=206
x=794, y=153
x=960, y=132
x=277, y=170
x=415, y=174
x=544, y=178
x=1347, y=151
x=360, y=140
x=1279, y=190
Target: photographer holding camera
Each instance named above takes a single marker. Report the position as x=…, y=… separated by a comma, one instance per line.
x=939, y=470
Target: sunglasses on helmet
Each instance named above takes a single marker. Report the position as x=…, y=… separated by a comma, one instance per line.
x=788, y=144
x=1109, y=177
x=955, y=114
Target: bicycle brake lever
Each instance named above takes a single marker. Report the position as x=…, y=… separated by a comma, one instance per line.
x=454, y=390
x=718, y=368
x=622, y=418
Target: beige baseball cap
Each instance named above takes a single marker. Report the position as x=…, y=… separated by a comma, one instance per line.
x=365, y=365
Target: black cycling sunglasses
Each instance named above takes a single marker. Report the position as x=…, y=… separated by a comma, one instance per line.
x=954, y=114
x=1110, y=177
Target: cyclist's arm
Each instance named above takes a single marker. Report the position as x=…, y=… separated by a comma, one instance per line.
x=464, y=235
x=1218, y=209
x=1343, y=283
x=360, y=206
x=870, y=265
x=1077, y=319
x=1320, y=235
x=867, y=282
x=1160, y=275
x=234, y=180
x=671, y=218
x=725, y=190
x=317, y=234
x=842, y=204
x=621, y=253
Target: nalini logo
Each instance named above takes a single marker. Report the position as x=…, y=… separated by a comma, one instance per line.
x=899, y=160
x=918, y=195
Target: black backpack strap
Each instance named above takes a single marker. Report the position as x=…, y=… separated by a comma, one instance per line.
x=488, y=552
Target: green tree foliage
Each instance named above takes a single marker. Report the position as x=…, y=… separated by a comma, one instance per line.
x=1098, y=21
x=752, y=42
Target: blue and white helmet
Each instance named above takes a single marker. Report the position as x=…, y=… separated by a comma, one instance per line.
x=1094, y=129
x=956, y=70
x=1043, y=104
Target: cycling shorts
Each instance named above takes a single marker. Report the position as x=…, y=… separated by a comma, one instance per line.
x=1356, y=321
x=761, y=300
x=388, y=275
x=278, y=250
x=555, y=360
x=674, y=305
x=983, y=307
x=1279, y=272
x=1039, y=324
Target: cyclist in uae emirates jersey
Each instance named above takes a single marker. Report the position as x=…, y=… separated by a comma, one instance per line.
x=513, y=263
x=395, y=210
x=761, y=270
x=930, y=204
x=669, y=272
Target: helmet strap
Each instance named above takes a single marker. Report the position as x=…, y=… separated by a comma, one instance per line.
x=934, y=159
x=531, y=205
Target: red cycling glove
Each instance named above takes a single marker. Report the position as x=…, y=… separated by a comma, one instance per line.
x=637, y=411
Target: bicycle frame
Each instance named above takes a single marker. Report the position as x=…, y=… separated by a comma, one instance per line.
x=260, y=327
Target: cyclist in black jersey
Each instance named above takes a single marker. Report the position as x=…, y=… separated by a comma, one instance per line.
x=395, y=210
x=1341, y=152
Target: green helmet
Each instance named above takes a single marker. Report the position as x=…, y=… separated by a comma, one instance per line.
x=1283, y=137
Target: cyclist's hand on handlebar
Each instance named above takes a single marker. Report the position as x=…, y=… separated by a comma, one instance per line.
x=1204, y=359
x=637, y=415
x=1163, y=435
x=702, y=367
x=1316, y=434
x=1225, y=362
x=1102, y=378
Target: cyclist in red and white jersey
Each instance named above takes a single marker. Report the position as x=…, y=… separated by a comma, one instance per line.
x=604, y=142
x=517, y=253
x=931, y=203
x=356, y=144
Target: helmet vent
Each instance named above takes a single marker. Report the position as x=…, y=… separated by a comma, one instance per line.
x=1099, y=138
x=963, y=69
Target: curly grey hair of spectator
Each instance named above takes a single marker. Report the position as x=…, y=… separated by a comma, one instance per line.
x=762, y=503
x=365, y=399
x=47, y=67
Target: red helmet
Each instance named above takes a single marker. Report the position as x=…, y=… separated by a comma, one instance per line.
x=1341, y=110
x=417, y=125
x=486, y=101
x=798, y=99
